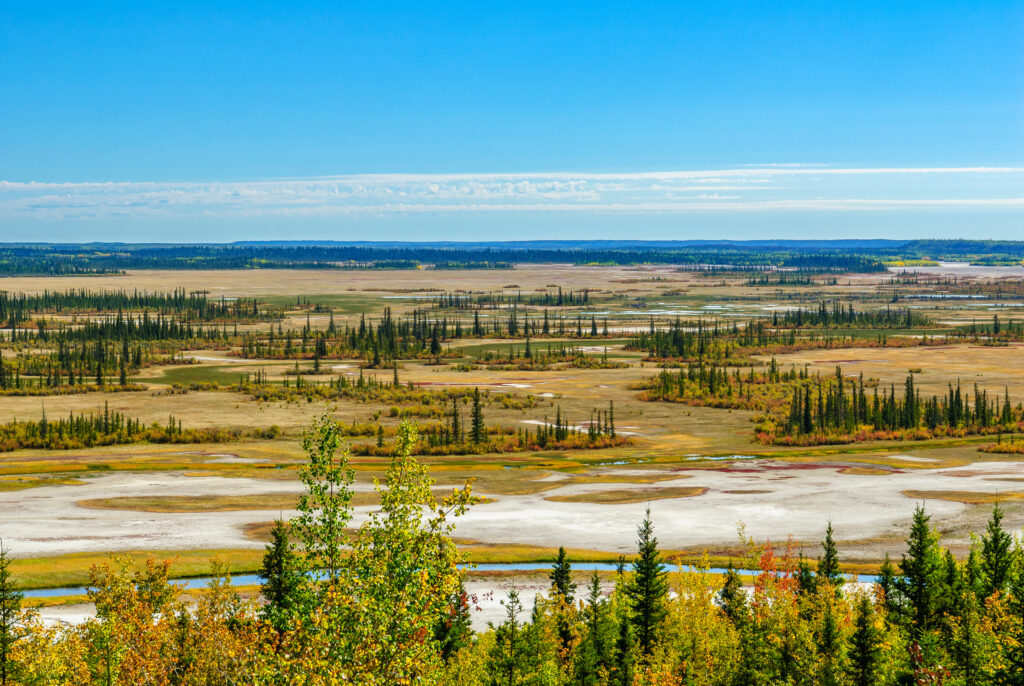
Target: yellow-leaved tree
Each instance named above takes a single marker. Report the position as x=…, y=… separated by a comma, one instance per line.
x=371, y=618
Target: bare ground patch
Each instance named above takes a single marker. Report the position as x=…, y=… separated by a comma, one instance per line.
x=967, y=497
x=630, y=495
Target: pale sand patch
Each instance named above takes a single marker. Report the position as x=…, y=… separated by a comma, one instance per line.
x=909, y=458
x=226, y=360
x=227, y=458
x=600, y=348
x=802, y=498
x=800, y=502
x=555, y=476
x=51, y=523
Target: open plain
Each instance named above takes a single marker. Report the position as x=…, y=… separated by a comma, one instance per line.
x=698, y=467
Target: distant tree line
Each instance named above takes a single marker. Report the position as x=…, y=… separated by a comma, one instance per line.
x=469, y=300
x=20, y=307
x=69, y=259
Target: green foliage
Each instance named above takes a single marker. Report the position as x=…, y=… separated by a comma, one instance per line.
x=920, y=583
x=561, y=577
x=865, y=650
x=828, y=563
x=596, y=649
x=10, y=610
x=284, y=585
x=996, y=555
x=325, y=508
x=478, y=431
x=647, y=589
x=732, y=598
x=102, y=428
x=385, y=604
x=453, y=631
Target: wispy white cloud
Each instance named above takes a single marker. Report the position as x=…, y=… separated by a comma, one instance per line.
x=764, y=188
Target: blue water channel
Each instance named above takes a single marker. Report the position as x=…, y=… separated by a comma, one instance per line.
x=252, y=579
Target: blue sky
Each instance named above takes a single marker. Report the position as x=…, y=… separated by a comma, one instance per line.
x=459, y=121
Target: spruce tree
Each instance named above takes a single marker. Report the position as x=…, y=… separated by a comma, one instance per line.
x=950, y=587
x=595, y=651
x=10, y=614
x=972, y=575
x=831, y=651
x=968, y=643
x=456, y=424
x=283, y=579
x=1011, y=671
x=996, y=555
x=921, y=567
x=806, y=582
x=454, y=630
x=865, y=655
x=478, y=431
x=887, y=585
x=562, y=590
x=647, y=590
x=561, y=577
x=124, y=363
x=625, y=644
x=732, y=598
x=828, y=563
x=505, y=659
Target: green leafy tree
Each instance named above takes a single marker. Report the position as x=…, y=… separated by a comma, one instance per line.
x=375, y=618
x=325, y=508
x=10, y=616
x=402, y=570
x=647, y=590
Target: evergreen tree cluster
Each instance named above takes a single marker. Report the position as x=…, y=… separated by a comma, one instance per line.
x=843, y=406
x=468, y=300
x=839, y=316
x=15, y=309
x=100, y=428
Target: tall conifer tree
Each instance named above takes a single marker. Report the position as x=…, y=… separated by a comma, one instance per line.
x=647, y=590
x=10, y=614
